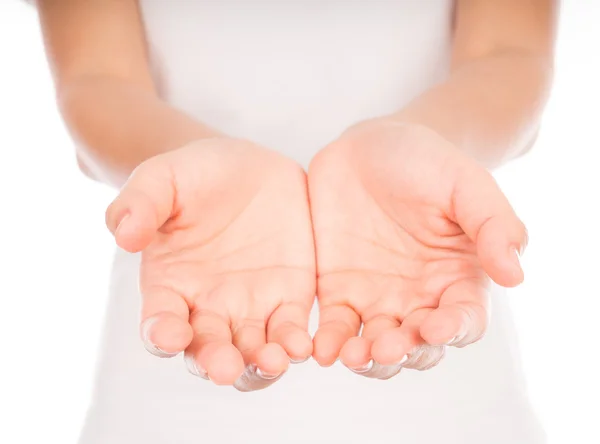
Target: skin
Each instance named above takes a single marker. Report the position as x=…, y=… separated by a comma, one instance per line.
x=406, y=224
x=409, y=224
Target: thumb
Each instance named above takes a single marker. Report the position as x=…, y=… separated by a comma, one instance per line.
x=143, y=206
x=487, y=218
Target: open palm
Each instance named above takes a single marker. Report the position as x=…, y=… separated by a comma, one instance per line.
x=407, y=230
x=227, y=270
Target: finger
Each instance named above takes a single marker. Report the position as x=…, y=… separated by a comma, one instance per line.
x=337, y=324
x=288, y=327
x=264, y=363
x=462, y=316
x=144, y=204
x=425, y=357
x=270, y=357
x=403, y=347
x=486, y=216
x=372, y=330
x=356, y=353
x=165, y=327
x=374, y=370
x=211, y=353
x=394, y=346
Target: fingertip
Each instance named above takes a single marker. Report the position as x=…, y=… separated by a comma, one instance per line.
x=500, y=243
x=272, y=359
x=505, y=269
x=391, y=347
x=299, y=346
x=514, y=257
x=223, y=362
x=133, y=234
x=442, y=327
x=166, y=335
x=337, y=324
x=295, y=340
x=326, y=346
x=114, y=216
x=356, y=352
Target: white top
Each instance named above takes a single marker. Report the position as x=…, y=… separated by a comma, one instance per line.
x=292, y=75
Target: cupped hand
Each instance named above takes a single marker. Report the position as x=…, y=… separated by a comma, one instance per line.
x=227, y=271
x=408, y=231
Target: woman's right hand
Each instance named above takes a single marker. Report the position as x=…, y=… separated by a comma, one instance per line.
x=228, y=269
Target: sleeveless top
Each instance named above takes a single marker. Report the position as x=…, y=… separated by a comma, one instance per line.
x=292, y=75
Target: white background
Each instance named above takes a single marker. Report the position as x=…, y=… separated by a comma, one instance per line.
x=55, y=253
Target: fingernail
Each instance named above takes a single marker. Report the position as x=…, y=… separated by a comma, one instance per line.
x=157, y=351
x=149, y=345
x=453, y=341
x=254, y=379
x=299, y=361
x=194, y=368
x=516, y=255
x=387, y=371
x=123, y=219
x=365, y=368
x=266, y=376
x=515, y=260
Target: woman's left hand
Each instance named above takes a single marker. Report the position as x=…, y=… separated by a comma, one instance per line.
x=407, y=229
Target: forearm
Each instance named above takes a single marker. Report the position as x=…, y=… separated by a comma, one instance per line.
x=489, y=107
x=117, y=125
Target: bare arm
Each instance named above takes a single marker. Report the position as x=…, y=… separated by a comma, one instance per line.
x=97, y=53
x=501, y=74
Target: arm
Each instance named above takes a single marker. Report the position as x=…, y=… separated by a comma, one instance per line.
x=402, y=202
x=490, y=106
x=216, y=210
x=97, y=54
